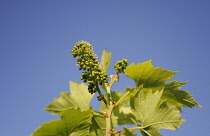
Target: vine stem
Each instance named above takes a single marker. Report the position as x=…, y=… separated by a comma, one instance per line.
x=110, y=107
x=100, y=93
x=108, y=114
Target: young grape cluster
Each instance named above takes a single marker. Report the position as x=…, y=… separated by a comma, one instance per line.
x=87, y=60
x=121, y=65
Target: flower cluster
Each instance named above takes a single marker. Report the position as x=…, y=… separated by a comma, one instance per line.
x=88, y=62
x=121, y=65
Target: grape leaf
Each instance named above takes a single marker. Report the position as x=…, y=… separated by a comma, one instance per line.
x=128, y=132
x=174, y=96
x=98, y=127
x=121, y=114
x=73, y=122
x=106, y=59
x=143, y=106
x=178, y=97
x=154, y=78
x=145, y=74
x=79, y=97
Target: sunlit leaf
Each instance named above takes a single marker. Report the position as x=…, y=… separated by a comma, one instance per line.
x=143, y=106
x=106, y=59
x=178, y=97
x=98, y=127
x=154, y=79
x=73, y=122
x=121, y=114
x=145, y=74
x=79, y=97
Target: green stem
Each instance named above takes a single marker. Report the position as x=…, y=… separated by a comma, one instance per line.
x=100, y=93
x=98, y=89
x=113, y=80
x=110, y=107
x=109, y=113
x=108, y=123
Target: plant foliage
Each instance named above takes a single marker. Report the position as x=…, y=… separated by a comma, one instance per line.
x=73, y=122
x=153, y=104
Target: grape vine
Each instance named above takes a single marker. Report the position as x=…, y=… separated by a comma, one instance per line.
x=153, y=104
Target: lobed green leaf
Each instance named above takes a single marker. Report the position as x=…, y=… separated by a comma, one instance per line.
x=121, y=114
x=174, y=96
x=73, y=122
x=145, y=74
x=143, y=106
x=79, y=97
x=98, y=127
x=154, y=79
x=178, y=97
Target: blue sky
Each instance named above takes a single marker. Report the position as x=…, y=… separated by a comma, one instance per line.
x=37, y=37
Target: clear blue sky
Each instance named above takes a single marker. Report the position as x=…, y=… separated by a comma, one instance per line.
x=36, y=38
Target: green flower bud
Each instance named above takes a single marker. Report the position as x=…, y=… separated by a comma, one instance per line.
x=121, y=65
x=88, y=62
